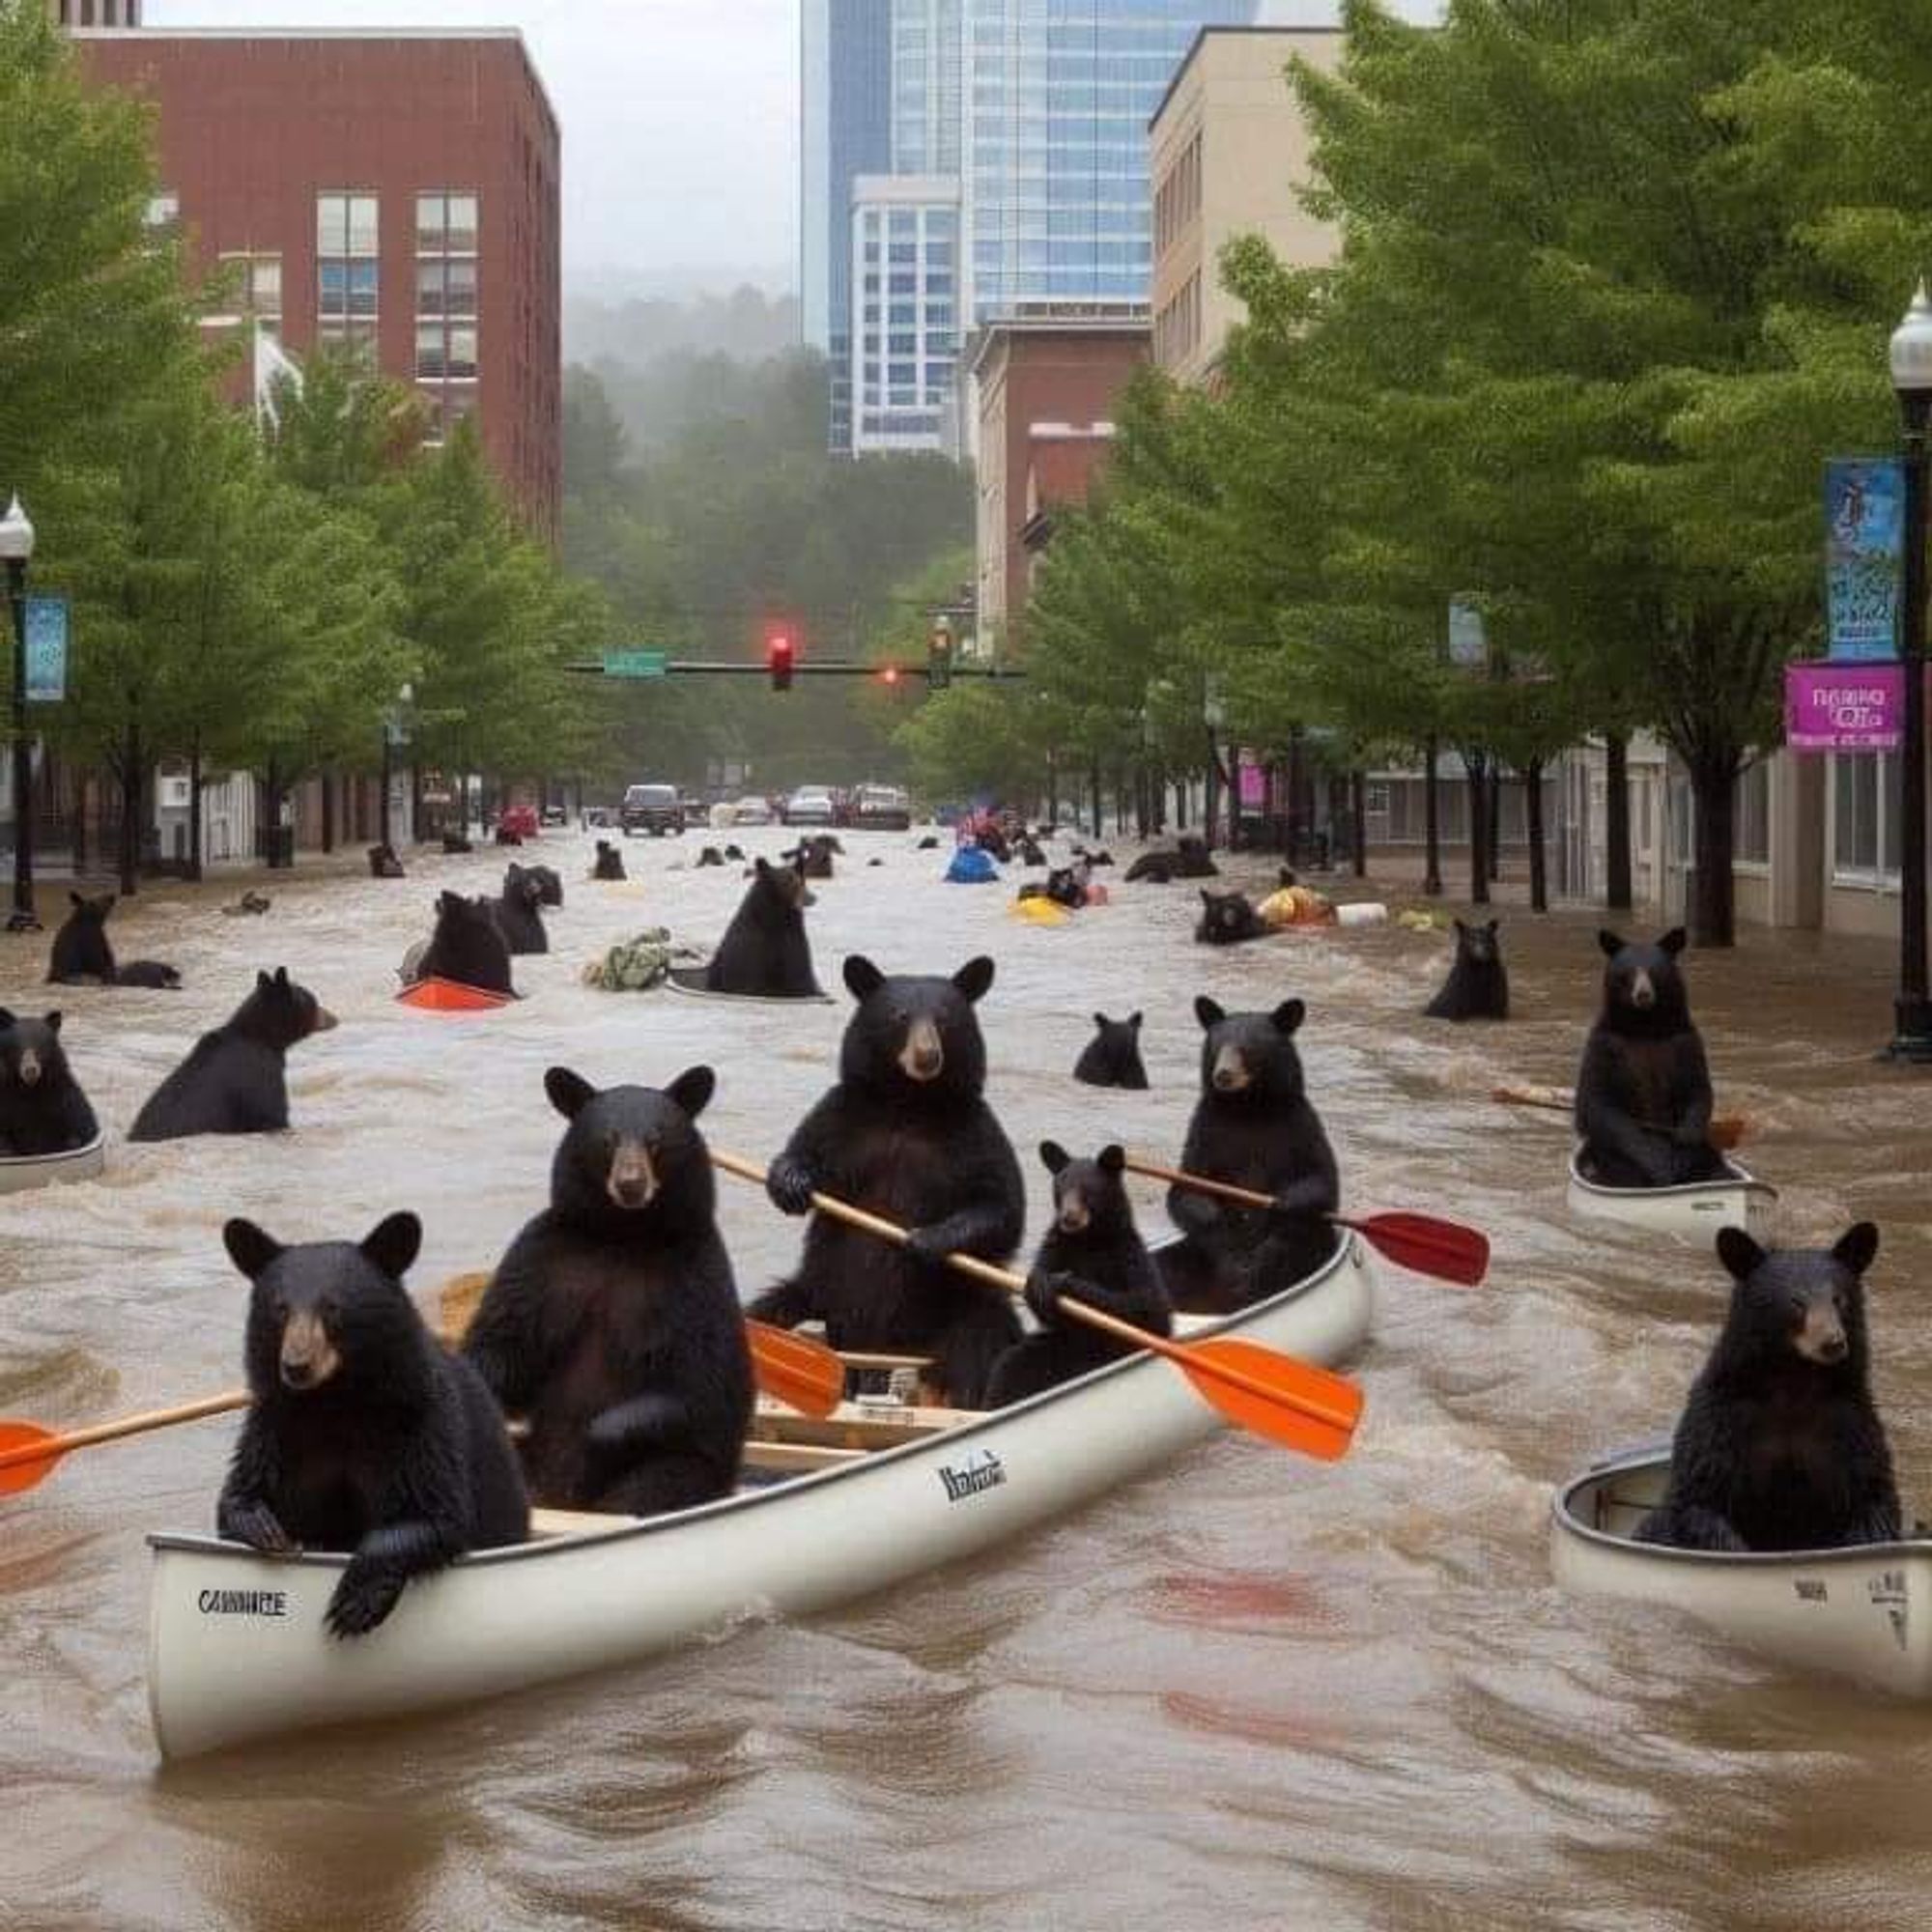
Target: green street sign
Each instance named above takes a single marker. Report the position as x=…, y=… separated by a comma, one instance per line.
x=635, y=663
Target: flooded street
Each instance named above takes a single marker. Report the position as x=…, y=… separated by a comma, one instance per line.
x=1253, y=1690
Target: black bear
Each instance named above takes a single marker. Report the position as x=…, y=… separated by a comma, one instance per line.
x=1227, y=919
x=1112, y=1056
x=1094, y=1253
x=1478, y=986
x=710, y=856
x=1643, y=1092
x=383, y=863
x=929, y=844
x=550, y=884
x=456, y=843
x=765, y=951
x=1781, y=1446
x=364, y=1434
x=1254, y=1128
x=735, y=853
x=907, y=1134
x=610, y=862
x=813, y=856
x=516, y=915
x=82, y=951
x=1063, y=887
x=42, y=1107
x=235, y=1079
x=612, y=1320
x=250, y=905
x=506, y=836
x=1028, y=851
x=465, y=947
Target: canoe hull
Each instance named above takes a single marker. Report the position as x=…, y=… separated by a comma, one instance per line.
x=1864, y=1613
x=1689, y=1214
x=689, y=980
x=236, y=1645
x=452, y=996
x=23, y=1171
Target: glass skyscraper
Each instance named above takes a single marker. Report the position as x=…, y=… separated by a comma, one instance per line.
x=845, y=62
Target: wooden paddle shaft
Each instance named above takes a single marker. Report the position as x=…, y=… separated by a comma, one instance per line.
x=1198, y=1183
x=127, y=1425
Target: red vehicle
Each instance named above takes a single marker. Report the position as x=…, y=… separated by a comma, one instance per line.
x=520, y=819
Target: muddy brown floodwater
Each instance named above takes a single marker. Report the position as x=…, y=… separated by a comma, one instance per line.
x=1250, y=1691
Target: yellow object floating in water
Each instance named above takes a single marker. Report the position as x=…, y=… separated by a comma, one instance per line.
x=1042, y=912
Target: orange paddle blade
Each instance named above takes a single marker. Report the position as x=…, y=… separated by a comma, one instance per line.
x=1427, y=1245
x=26, y=1460
x=1289, y=1402
x=802, y=1373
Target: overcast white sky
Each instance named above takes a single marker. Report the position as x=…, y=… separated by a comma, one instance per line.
x=681, y=120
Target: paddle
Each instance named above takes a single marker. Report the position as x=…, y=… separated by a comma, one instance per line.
x=1289, y=1401
x=28, y=1453
x=1420, y=1242
x=1727, y=1131
x=802, y=1373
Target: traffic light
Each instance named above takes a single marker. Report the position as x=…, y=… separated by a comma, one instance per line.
x=939, y=659
x=781, y=653
x=889, y=675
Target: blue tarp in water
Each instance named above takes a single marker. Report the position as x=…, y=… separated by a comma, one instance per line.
x=971, y=867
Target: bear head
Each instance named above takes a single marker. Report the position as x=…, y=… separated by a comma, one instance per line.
x=90, y=912
x=1090, y=1197
x=1119, y=1039
x=1064, y=887
x=1477, y=944
x=30, y=1052
x=522, y=887
x=782, y=886
x=280, y=1013
x=549, y=886
x=913, y=1037
x=1225, y=917
x=631, y=1157
x=1643, y=990
x=332, y=1318
x=1797, y=1307
x=1250, y=1058
x=458, y=918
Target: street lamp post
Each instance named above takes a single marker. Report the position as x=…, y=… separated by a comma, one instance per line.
x=16, y=550
x=1911, y=378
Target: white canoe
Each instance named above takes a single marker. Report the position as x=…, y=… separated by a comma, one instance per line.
x=1864, y=1613
x=19, y=1172
x=1692, y=1213
x=689, y=979
x=236, y=1648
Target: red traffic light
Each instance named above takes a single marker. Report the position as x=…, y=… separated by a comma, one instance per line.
x=889, y=675
x=780, y=652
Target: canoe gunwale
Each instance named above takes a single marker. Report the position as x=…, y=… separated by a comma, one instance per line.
x=21, y=1171
x=1735, y=1176
x=688, y=981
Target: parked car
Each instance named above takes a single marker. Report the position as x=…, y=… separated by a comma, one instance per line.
x=519, y=819
x=810, y=804
x=752, y=810
x=652, y=808
x=690, y=804
x=555, y=815
x=882, y=808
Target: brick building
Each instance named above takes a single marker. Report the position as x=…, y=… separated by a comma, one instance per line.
x=1046, y=385
x=391, y=188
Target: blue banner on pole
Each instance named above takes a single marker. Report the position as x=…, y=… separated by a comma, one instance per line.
x=1864, y=551
x=47, y=649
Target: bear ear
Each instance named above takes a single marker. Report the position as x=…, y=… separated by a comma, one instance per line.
x=52, y=1021
x=1740, y=1256
x=1112, y=1159
x=1134, y=1021
x=1100, y=1020
x=1207, y=897
x=758, y=866
x=1461, y=927
x=263, y=982
x=281, y=976
x=1495, y=925
x=1609, y=941
x=76, y=899
x=569, y=1092
x=394, y=1243
x=693, y=1090
x=862, y=978
x=7, y=1018
x=1053, y=1156
x=1857, y=1247
x=250, y=1248
x=1289, y=1016
x=1673, y=942
x=974, y=977
x=1209, y=1013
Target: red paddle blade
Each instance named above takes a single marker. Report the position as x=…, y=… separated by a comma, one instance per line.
x=1289, y=1401
x=802, y=1373
x=1425, y=1245
x=20, y=1469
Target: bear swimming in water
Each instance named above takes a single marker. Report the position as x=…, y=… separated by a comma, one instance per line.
x=1477, y=987
x=82, y=952
x=1112, y=1056
x=765, y=951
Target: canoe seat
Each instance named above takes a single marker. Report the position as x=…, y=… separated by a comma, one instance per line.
x=549, y=1522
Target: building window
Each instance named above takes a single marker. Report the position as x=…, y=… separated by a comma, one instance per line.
x=1865, y=803
x=446, y=296
x=445, y=223
x=1750, y=815
x=163, y=210
x=346, y=270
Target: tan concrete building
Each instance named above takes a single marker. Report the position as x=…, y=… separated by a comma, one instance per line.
x=1227, y=155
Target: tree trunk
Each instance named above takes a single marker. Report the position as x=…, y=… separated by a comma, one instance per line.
x=1616, y=822
x=1532, y=811
x=1052, y=795
x=1431, y=824
x=81, y=787
x=1477, y=768
x=1493, y=833
x=131, y=812
x=1093, y=785
x=194, y=809
x=416, y=804
x=1714, y=900
x=1358, y=821
x=327, y=813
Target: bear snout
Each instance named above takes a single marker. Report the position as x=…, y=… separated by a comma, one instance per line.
x=29, y=1068
x=1231, y=1070
x=1821, y=1336
x=324, y=1021
x=632, y=1180
x=1075, y=1216
x=308, y=1357
x=1642, y=991
x=923, y=1056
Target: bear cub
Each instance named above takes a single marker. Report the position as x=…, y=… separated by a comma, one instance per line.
x=610, y=862
x=1643, y=1091
x=1781, y=1446
x=383, y=863
x=517, y=912
x=1227, y=919
x=466, y=947
x=612, y=1320
x=1094, y=1253
x=1112, y=1056
x=364, y=1434
x=82, y=952
x=764, y=952
x=1477, y=987
x=906, y=1134
x=235, y=1079
x=42, y=1107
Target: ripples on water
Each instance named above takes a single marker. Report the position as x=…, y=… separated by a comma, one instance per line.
x=1249, y=1691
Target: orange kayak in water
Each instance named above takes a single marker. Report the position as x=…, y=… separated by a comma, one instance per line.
x=452, y=996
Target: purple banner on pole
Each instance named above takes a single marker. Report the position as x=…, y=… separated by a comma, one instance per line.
x=1253, y=787
x=1843, y=707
